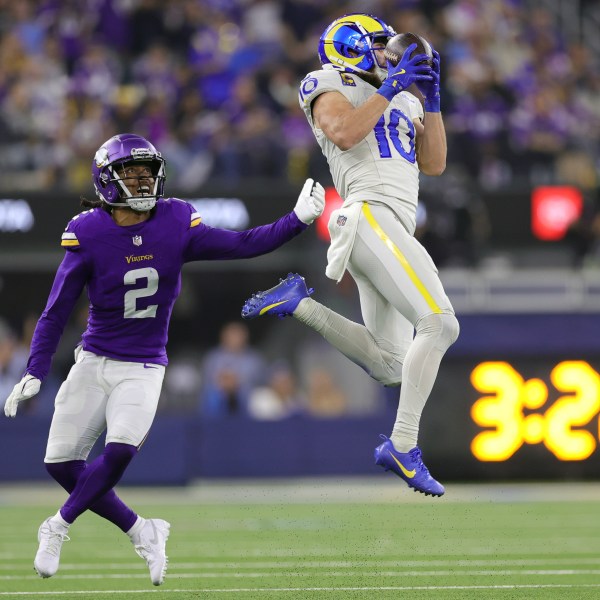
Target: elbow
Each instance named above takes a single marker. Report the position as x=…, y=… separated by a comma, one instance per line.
x=344, y=138
x=439, y=170
x=434, y=170
x=344, y=132
x=345, y=142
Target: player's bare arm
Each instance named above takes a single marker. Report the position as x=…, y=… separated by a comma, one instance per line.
x=344, y=124
x=431, y=144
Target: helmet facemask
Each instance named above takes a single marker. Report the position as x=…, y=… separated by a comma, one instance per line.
x=378, y=70
x=148, y=185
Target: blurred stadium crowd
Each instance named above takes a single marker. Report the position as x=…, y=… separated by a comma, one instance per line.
x=232, y=379
x=213, y=83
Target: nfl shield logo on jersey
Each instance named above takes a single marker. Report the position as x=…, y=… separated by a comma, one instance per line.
x=137, y=240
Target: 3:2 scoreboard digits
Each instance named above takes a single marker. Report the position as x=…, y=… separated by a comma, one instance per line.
x=559, y=427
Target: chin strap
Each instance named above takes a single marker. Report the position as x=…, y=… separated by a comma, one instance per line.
x=140, y=204
x=381, y=73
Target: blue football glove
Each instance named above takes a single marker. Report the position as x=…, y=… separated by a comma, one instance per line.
x=405, y=73
x=431, y=89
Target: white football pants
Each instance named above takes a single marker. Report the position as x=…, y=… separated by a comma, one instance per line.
x=101, y=393
x=400, y=294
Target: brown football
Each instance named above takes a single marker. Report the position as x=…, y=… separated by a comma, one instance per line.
x=396, y=46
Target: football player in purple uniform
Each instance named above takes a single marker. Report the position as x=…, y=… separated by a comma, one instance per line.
x=128, y=251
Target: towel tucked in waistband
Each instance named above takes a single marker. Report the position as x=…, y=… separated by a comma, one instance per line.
x=342, y=226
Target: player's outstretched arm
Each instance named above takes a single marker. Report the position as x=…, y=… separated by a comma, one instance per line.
x=28, y=387
x=210, y=243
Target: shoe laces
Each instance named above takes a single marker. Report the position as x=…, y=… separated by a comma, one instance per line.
x=255, y=299
x=415, y=455
x=147, y=549
x=143, y=551
x=252, y=300
x=52, y=541
x=146, y=552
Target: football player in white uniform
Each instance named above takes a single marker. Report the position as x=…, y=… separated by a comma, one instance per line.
x=376, y=138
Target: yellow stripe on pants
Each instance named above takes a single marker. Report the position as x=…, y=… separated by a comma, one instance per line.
x=401, y=258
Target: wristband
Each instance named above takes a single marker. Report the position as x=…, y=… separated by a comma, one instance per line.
x=388, y=89
x=432, y=105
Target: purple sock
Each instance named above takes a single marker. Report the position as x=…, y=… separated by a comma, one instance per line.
x=110, y=506
x=92, y=485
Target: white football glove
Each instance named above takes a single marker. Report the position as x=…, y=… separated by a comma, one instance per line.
x=28, y=387
x=311, y=202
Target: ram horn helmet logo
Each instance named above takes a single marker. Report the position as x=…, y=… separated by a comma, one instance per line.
x=137, y=240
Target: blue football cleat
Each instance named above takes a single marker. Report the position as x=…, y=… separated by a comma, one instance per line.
x=280, y=300
x=409, y=466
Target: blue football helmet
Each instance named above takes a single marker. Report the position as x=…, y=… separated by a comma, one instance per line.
x=120, y=150
x=347, y=44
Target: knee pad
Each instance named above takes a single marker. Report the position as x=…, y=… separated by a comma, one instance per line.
x=443, y=327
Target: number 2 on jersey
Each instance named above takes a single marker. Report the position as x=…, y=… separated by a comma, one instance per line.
x=131, y=277
x=394, y=135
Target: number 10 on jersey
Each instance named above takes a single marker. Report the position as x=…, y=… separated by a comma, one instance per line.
x=386, y=132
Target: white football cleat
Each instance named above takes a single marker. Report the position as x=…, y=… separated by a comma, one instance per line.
x=51, y=536
x=150, y=543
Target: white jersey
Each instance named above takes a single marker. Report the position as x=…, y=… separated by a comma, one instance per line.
x=382, y=167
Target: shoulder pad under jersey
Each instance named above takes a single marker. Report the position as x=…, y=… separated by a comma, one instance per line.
x=325, y=80
x=184, y=211
x=75, y=227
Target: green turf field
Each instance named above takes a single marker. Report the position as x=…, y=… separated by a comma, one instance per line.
x=321, y=542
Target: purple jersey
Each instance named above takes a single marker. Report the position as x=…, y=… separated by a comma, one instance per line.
x=133, y=277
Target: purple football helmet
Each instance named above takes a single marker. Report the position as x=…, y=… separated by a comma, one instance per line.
x=119, y=150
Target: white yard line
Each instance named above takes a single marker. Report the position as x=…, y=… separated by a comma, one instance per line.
x=338, y=489
x=319, y=572
x=432, y=588
x=304, y=564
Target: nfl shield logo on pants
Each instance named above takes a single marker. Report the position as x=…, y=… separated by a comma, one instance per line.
x=137, y=240
x=341, y=220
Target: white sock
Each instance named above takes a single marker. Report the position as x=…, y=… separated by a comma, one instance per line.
x=136, y=527
x=57, y=519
